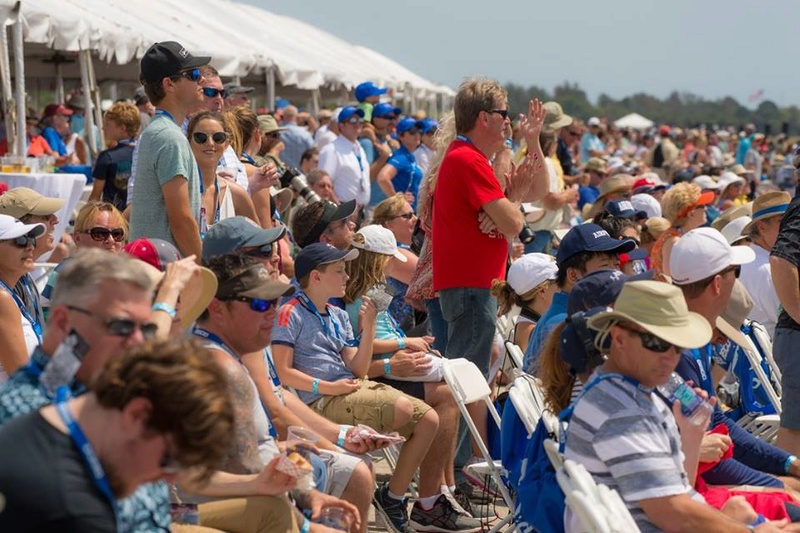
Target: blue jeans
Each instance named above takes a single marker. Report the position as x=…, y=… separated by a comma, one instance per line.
x=471, y=315
x=541, y=243
x=438, y=325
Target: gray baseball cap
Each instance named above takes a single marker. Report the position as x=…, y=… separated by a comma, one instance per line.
x=231, y=234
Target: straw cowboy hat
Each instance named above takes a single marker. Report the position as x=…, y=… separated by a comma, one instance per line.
x=767, y=205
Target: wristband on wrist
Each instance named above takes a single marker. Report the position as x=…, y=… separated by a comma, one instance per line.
x=342, y=434
x=788, y=464
x=401, y=343
x=387, y=367
x=306, y=526
x=315, y=386
x=760, y=519
x=161, y=306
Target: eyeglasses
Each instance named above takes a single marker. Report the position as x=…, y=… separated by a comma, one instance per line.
x=736, y=269
x=502, y=112
x=120, y=327
x=191, y=75
x=218, y=137
x=263, y=252
x=354, y=120
x=257, y=304
x=101, y=234
x=274, y=135
x=407, y=216
x=574, y=133
x=22, y=241
x=650, y=341
x=211, y=92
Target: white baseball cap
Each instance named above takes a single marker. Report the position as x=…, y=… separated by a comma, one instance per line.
x=728, y=178
x=703, y=252
x=733, y=229
x=530, y=271
x=594, y=121
x=706, y=182
x=379, y=240
x=646, y=203
x=11, y=228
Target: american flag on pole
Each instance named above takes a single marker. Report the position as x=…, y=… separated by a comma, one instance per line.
x=756, y=96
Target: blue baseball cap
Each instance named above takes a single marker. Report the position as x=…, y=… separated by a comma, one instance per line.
x=596, y=289
x=367, y=89
x=319, y=253
x=577, y=342
x=429, y=125
x=348, y=112
x=624, y=209
x=408, y=123
x=591, y=238
x=383, y=110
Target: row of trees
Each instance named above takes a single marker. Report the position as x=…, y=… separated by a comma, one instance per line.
x=678, y=109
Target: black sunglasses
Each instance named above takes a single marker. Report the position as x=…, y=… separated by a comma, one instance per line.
x=211, y=92
x=650, y=341
x=101, y=234
x=736, y=269
x=120, y=327
x=263, y=252
x=407, y=216
x=191, y=75
x=257, y=304
x=23, y=241
x=502, y=112
x=218, y=137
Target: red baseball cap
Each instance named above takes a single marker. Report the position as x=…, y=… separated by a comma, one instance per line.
x=56, y=109
x=155, y=252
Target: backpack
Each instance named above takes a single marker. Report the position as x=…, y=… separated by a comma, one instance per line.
x=658, y=156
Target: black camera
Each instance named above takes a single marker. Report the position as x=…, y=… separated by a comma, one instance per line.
x=296, y=180
x=527, y=234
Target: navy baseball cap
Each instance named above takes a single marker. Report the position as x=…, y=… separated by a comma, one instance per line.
x=624, y=209
x=330, y=213
x=590, y=238
x=598, y=288
x=407, y=124
x=231, y=234
x=166, y=59
x=384, y=110
x=319, y=253
x=577, y=342
x=367, y=89
x=348, y=112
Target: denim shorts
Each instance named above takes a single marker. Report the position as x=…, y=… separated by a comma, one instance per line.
x=471, y=316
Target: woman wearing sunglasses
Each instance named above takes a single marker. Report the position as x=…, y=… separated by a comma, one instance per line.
x=20, y=327
x=220, y=198
x=100, y=225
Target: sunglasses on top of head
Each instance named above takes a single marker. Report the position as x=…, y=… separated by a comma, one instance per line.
x=218, y=137
x=257, y=304
x=191, y=74
x=211, y=92
x=23, y=241
x=101, y=234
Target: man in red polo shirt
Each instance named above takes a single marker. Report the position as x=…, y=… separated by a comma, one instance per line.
x=475, y=215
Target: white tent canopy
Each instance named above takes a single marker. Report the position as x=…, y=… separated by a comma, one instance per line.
x=634, y=121
x=242, y=39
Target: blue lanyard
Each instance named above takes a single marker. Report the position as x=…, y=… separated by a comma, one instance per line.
x=703, y=358
x=203, y=220
x=26, y=314
x=85, y=447
x=463, y=138
x=336, y=334
x=403, y=245
x=164, y=113
x=273, y=372
x=32, y=297
x=214, y=338
x=249, y=159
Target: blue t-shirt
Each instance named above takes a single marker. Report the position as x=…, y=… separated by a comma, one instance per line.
x=590, y=141
x=587, y=195
x=113, y=166
x=555, y=314
x=54, y=140
x=317, y=347
x=409, y=175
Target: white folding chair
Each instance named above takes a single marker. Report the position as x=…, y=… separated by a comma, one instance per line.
x=515, y=354
x=525, y=405
x=599, y=509
x=468, y=385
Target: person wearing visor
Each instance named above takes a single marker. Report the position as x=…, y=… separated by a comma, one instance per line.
x=20, y=326
x=166, y=200
x=401, y=173
x=324, y=222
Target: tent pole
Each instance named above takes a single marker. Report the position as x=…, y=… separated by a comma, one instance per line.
x=19, y=78
x=271, y=88
x=8, y=95
x=98, y=111
x=60, y=95
x=87, y=100
x=316, y=97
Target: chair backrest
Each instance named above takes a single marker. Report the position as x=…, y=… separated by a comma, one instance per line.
x=466, y=380
x=525, y=405
x=754, y=358
x=515, y=354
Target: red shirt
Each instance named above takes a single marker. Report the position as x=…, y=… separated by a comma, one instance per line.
x=463, y=256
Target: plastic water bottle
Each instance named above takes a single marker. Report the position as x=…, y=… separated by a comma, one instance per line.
x=693, y=406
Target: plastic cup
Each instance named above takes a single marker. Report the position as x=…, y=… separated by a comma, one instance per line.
x=335, y=518
x=301, y=440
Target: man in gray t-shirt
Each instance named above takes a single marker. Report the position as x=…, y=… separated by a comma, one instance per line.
x=166, y=199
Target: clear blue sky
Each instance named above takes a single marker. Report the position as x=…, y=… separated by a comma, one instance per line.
x=619, y=47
